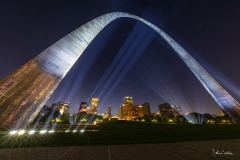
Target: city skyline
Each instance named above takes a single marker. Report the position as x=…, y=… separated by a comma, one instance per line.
x=136, y=111
x=135, y=73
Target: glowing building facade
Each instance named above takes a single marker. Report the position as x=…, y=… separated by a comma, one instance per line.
x=165, y=109
x=61, y=107
x=125, y=111
x=24, y=92
x=94, y=106
x=137, y=111
x=177, y=110
x=83, y=107
x=107, y=114
x=128, y=100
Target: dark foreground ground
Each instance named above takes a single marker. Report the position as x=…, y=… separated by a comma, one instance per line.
x=202, y=150
x=125, y=140
x=120, y=133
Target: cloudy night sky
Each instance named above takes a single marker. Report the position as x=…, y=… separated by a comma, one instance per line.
x=148, y=68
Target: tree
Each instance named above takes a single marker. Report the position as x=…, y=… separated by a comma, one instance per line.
x=64, y=118
x=181, y=119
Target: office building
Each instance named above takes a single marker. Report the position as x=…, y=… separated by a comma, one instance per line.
x=146, y=109
x=107, y=114
x=125, y=110
x=83, y=107
x=61, y=107
x=165, y=109
x=94, y=106
x=177, y=110
x=137, y=111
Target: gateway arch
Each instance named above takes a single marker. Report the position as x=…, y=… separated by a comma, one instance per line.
x=24, y=92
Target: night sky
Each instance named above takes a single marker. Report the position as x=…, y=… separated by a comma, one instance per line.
x=145, y=66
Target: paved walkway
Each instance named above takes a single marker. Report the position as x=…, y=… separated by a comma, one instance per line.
x=202, y=150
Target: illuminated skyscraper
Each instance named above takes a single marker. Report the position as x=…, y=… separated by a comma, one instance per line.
x=128, y=100
x=165, y=109
x=61, y=107
x=83, y=107
x=24, y=92
x=125, y=112
x=177, y=110
x=94, y=106
x=107, y=114
x=126, y=108
x=137, y=111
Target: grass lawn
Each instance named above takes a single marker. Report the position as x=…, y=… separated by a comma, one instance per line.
x=122, y=132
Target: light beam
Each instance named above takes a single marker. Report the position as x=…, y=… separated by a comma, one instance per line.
x=37, y=79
